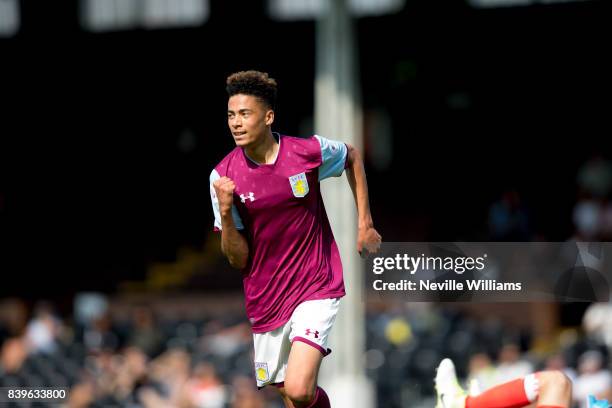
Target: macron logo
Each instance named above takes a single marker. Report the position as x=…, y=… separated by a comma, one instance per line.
x=251, y=197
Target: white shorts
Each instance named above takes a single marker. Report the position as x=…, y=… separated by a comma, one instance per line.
x=310, y=323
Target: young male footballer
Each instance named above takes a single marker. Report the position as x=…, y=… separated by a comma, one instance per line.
x=267, y=204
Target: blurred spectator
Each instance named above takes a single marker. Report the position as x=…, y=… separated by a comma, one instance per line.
x=245, y=394
x=509, y=218
x=206, y=389
x=592, y=213
x=43, y=330
x=597, y=323
x=144, y=333
x=587, y=220
x=131, y=372
x=88, y=307
x=172, y=370
x=12, y=355
x=593, y=378
x=13, y=318
x=511, y=365
x=226, y=341
x=557, y=362
x=81, y=395
x=100, y=335
x=482, y=370
x=595, y=177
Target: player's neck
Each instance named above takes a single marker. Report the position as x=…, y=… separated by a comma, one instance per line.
x=264, y=151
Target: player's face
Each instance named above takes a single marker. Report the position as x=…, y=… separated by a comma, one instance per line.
x=248, y=119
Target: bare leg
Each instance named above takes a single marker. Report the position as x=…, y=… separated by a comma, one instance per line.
x=555, y=389
x=301, y=376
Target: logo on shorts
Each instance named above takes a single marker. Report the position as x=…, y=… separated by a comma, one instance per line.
x=261, y=372
x=299, y=184
x=315, y=333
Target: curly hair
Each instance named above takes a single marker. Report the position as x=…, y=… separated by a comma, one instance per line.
x=253, y=83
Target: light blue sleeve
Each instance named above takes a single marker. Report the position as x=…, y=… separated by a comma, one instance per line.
x=215, y=204
x=333, y=154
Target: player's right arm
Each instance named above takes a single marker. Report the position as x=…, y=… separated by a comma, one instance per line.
x=233, y=244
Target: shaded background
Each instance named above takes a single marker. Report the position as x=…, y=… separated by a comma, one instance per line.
x=112, y=135
x=108, y=138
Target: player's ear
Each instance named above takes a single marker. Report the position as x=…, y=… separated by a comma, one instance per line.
x=269, y=117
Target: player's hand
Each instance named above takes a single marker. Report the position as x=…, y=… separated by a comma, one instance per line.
x=368, y=241
x=224, y=188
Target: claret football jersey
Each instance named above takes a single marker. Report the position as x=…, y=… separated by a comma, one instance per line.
x=293, y=256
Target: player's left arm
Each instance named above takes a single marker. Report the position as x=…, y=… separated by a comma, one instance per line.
x=367, y=236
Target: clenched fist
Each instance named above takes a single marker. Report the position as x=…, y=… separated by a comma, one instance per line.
x=224, y=188
x=368, y=241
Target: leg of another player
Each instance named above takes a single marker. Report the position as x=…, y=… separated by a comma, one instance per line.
x=555, y=389
x=301, y=378
x=551, y=389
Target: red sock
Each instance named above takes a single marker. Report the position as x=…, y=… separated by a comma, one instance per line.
x=507, y=395
x=321, y=400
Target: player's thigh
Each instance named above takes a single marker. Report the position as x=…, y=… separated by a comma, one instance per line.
x=302, y=369
x=311, y=324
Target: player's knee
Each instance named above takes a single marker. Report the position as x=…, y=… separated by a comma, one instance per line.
x=299, y=391
x=554, y=379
